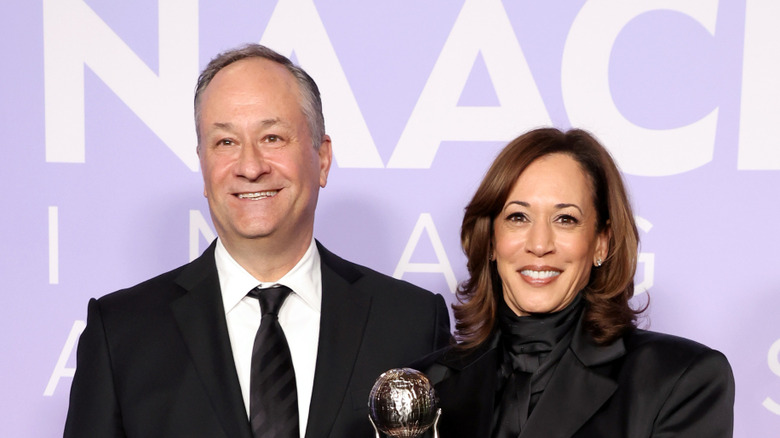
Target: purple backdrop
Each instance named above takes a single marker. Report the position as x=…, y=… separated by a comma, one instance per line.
x=101, y=188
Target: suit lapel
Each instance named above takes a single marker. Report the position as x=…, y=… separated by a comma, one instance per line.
x=344, y=314
x=200, y=316
x=579, y=387
x=466, y=388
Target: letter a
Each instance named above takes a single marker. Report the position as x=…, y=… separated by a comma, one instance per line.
x=296, y=26
x=481, y=27
x=425, y=222
x=61, y=370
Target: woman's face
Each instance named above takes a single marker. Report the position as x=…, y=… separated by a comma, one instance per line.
x=545, y=238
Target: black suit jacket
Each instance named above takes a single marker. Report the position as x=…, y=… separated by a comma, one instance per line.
x=645, y=384
x=155, y=360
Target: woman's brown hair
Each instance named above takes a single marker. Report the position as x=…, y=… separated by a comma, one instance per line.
x=608, y=314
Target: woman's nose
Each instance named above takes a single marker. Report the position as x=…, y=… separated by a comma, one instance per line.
x=540, y=239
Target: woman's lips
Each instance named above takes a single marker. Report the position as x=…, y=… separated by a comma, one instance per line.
x=539, y=276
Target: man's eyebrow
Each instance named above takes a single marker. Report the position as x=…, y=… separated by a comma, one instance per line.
x=271, y=122
x=265, y=123
x=225, y=126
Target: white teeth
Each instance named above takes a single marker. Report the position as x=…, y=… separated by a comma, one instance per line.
x=258, y=195
x=539, y=274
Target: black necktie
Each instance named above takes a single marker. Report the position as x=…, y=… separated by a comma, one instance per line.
x=273, y=399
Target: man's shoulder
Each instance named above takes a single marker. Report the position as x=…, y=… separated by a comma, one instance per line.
x=160, y=289
x=363, y=276
x=378, y=278
x=166, y=286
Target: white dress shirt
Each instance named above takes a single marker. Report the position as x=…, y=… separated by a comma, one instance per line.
x=299, y=318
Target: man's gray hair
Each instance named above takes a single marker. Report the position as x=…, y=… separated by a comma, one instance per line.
x=310, y=101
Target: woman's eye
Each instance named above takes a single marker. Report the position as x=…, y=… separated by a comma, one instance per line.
x=517, y=217
x=567, y=219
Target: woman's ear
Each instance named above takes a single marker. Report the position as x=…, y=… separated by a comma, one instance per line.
x=602, y=246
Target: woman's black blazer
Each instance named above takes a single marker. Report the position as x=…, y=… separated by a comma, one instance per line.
x=645, y=384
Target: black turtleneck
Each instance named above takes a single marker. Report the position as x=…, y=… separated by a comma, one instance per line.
x=532, y=346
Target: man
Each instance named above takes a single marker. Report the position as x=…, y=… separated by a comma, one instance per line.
x=173, y=356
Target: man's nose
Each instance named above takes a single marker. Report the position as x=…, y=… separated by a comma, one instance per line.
x=252, y=163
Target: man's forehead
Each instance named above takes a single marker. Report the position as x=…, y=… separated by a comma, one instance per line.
x=253, y=85
x=257, y=78
x=254, y=69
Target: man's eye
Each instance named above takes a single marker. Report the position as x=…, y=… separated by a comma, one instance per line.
x=225, y=142
x=272, y=138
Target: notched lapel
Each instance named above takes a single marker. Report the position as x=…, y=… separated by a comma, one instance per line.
x=576, y=391
x=573, y=395
x=200, y=316
x=467, y=392
x=344, y=315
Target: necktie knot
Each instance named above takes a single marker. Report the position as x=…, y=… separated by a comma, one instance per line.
x=270, y=298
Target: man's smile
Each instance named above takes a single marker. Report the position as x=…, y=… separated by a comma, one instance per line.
x=256, y=196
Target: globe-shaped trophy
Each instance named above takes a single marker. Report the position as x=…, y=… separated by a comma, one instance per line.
x=403, y=404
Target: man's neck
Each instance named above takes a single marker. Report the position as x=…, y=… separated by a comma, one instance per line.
x=266, y=260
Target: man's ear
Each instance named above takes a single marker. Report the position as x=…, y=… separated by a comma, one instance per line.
x=326, y=157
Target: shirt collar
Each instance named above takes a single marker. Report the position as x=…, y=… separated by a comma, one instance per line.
x=304, y=278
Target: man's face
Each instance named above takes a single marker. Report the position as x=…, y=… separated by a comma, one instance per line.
x=260, y=170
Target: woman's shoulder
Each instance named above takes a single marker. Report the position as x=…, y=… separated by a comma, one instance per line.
x=639, y=339
x=690, y=383
x=673, y=354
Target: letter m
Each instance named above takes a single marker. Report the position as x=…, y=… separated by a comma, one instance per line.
x=74, y=36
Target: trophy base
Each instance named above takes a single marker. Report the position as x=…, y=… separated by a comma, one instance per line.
x=402, y=432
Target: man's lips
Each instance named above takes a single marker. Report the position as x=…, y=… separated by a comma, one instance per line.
x=256, y=196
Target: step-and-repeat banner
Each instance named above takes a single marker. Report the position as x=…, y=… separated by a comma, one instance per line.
x=101, y=187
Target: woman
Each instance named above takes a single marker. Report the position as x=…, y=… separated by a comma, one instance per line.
x=547, y=343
